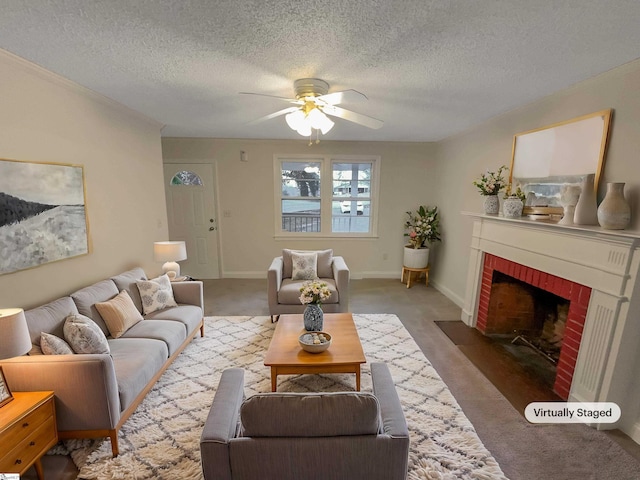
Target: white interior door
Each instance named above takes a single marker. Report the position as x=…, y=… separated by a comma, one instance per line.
x=191, y=213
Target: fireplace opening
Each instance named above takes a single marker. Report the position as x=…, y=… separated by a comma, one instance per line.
x=528, y=322
x=523, y=308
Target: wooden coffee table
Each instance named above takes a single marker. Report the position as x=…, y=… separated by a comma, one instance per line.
x=286, y=357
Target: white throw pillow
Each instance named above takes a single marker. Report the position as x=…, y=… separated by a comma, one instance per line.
x=304, y=266
x=84, y=335
x=119, y=313
x=52, y=345
x=156, y=294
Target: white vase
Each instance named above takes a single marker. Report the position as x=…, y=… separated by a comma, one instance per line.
x=614, y=212
x=416, y=257
x=569, y=195
x=491, y=205
x=587, y=207
x=512, y=207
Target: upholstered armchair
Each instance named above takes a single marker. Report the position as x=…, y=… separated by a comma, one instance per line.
x=311, y=436
x=283, y=285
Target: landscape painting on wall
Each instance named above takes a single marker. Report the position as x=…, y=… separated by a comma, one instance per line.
x=42, y=214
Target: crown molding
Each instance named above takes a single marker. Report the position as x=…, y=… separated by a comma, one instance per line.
x=14, y=61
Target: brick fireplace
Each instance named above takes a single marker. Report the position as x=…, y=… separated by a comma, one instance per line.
x=578, y=296
x=598, y=272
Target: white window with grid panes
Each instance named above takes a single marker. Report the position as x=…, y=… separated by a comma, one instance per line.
x=333, y=196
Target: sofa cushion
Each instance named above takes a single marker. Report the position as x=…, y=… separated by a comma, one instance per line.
x=156, y=294
x=84, y=336
x=49, y=318
x=324, y=268
x=87, y=297
x=127, y=281
x=52, y=345
x=170, y=332
x=189, y=315
x=119, y=313
x=304, y=266
x=289, y=293
x=310, y=415
x=136, y=361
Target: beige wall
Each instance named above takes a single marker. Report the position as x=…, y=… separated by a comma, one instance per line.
x=246, y=190
x=462, y=158
x=48, y=119
x=412, y=174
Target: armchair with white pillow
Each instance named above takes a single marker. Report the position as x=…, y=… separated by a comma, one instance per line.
x=288, y=272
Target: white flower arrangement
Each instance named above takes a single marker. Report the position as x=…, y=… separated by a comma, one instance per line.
x=314, y=291
x=491, y=183
x=424, y=226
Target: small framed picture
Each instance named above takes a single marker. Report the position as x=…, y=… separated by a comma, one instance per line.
x=5, y=393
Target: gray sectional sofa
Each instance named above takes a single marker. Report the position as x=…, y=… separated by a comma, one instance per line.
x=96, y=393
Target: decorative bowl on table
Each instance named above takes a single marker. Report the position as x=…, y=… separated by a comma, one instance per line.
x=314, y=342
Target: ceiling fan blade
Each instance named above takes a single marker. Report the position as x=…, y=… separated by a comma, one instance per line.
x=353, y=116
x=340, y=97
x=290, y=100
x=273, y=115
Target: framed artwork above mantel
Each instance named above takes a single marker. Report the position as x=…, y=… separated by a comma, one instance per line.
x=43, y=215
x=545, y=159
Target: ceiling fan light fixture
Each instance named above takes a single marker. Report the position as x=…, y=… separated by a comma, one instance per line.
x=327, y=124
x=305, y=120
x=295, y=119
x=315, y=106
x=319, y=120
x=304, y=129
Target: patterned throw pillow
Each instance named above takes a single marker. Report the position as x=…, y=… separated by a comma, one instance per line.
x=304, y=266
x=52, y=345
x=84, y=335
x=156, y=294
x=119, y=313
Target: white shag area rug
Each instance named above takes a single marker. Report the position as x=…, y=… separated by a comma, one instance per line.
x=161, y=439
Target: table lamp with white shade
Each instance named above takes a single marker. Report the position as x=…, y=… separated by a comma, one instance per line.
x=14, y=339
x=171, y=253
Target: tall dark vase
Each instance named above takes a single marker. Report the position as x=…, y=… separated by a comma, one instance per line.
x=313, y=318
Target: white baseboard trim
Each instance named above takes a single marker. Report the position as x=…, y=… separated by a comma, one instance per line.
x=634, y=432
x=354, y=275
x=459, y=301
x=379, y=274
x=244, y=274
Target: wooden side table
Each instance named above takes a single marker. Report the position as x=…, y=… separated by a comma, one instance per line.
x=410, y=272
x=27, y=431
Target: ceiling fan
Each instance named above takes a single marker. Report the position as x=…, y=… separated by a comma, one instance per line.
x=313, y=104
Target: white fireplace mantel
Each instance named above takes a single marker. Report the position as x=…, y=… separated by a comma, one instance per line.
x=607, y=261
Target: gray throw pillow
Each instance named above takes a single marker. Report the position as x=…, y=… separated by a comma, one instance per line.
x=84, y=335
x=324, y=267
x=156, y=294
x=304, y=266
x=52, y=345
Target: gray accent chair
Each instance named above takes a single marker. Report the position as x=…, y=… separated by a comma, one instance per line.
x=284, y=292
x=315, y=436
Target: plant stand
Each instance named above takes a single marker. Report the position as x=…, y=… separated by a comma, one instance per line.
x=410, y=272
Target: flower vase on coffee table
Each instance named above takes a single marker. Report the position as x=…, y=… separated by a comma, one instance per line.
x=312, y=293
x=313, y=318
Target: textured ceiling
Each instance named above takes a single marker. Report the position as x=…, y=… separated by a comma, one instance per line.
x=430, y=68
